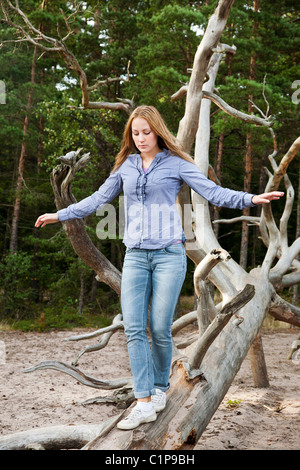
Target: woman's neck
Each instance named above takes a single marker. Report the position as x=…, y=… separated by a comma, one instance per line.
x=147, y=158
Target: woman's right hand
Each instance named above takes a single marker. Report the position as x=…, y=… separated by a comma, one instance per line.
x=46, y=219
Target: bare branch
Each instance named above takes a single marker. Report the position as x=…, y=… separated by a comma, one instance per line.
x=234, y=112
x=286, y=214
x=27, y=36
x=110, y=80
x=105, y=105
x=180, y=93
x=284, y=311
x=116, y=325
x=243, y=218
x=205, y=266
x=80, y=376
x=206, y=310
x=121, y=397
x=285, y=161
x=29, y=24
x=221, y=49
x=264, y=95
x=285, y=261
x=183, y=321
x=76, y=231
x=106, y=337
x=202, y=345
x=188, y=125
x=289, y=279
x=273, y=183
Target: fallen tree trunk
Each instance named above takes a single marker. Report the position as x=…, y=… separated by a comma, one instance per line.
x=56, y=437
x=193, y=399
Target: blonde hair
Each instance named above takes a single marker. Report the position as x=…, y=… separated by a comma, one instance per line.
x=165, y=138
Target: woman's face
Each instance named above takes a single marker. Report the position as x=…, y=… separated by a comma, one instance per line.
x=144, y=138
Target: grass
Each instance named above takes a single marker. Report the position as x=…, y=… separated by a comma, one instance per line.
x=66, y=317
x=50, y=319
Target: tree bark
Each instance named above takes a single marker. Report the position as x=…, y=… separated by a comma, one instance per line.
x=246, y=212
x=20, y=177
x=189, y=124
x=55, y=437
x=217, y=169
x=248, y=155
x=256, y=352
x=258, y=363
x=296, y=286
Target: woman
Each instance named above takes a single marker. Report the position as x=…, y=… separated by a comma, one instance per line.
x=150, y=169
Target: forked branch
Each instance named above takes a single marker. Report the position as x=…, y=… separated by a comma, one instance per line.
x=234, y=112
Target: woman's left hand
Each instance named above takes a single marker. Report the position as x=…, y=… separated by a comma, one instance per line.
x=267, y=197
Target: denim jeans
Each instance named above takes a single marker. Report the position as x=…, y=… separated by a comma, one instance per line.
x=158, y=274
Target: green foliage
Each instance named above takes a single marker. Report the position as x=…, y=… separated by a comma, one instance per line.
x=91, y=131
x=159, y=39
x=230, y=404
x=61, y=318
x=16, y=284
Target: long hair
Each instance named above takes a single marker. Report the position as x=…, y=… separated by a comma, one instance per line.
x=165, y=139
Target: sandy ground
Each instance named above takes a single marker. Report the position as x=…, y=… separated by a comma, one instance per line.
x=257, y=419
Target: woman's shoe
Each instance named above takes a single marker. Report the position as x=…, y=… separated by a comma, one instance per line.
x=159, y=400
x=136, y=417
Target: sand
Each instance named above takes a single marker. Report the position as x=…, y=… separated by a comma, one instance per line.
x=248, y=417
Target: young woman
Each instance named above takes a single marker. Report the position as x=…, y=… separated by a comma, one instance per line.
x=150, y=169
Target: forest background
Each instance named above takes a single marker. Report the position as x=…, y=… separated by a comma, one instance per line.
x=148, y=47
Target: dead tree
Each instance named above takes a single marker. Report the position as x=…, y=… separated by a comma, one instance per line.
x=205, y=365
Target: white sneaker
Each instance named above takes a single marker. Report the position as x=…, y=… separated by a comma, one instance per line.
x=136, y=417
x=159, y=400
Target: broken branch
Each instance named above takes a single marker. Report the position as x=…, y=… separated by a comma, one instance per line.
x=219, y=322
x=208, y=262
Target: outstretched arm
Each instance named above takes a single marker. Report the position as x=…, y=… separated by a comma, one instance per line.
x=218, y=195
x=107, y=192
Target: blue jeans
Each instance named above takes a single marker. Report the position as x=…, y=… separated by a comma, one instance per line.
x=158, y=273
